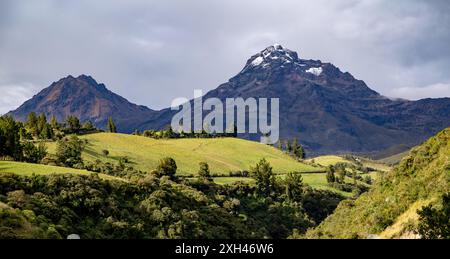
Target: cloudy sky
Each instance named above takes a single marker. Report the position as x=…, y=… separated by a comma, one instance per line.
x=153, y=51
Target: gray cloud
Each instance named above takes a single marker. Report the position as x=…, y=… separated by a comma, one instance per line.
x=153, y=51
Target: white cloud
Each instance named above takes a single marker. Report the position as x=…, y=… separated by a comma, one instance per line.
x=415, y=93
x=153, y=51
x=14, y=95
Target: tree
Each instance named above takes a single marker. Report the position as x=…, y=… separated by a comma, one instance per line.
x=288, y=146
x=330, y=174
x=88, y=125
x=32, y=123
x=10, y=138
x=73, y=124
x=341, y=174
x=168, y=133
x=167, y=167
x=204, y=173
x=294, y=146
x=265, y=179
x=24, y=134
x=33, y=154
x=297, y=149
x=111, y=125
x=68, y=151
x=434, y=223
x=54, y=123
x=299, y=152
x=41, y=123
x=46, y=132
x=293, y=186
x=279, y=145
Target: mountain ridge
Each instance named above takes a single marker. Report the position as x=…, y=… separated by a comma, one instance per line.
x=83, y=97
x=330, y=111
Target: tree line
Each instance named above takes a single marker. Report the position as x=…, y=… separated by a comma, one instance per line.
x=24, y=141
x=170, y=134
x=293, y=148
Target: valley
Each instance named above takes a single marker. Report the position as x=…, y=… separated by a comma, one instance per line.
x=224, y=128
x=69, y=162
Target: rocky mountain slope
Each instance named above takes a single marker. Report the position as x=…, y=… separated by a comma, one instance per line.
x=88, y=100
x=330, y=111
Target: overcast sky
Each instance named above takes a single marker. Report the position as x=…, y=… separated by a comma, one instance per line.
x=153, y=51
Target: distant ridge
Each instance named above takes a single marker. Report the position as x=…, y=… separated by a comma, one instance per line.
x=83, y=97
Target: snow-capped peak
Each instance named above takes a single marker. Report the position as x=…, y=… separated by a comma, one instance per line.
x=277, y=46
x=257, y=61
x=277, y=49
x=275, y=53
x=317, y=71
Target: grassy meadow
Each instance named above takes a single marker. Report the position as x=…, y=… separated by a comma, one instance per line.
x=223, y=155
x=28, y=169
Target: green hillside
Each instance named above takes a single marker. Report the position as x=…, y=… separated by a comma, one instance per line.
x=389, y=209
x=222, y=154
x=327, y=160
x=28, y=169
x=334, y=159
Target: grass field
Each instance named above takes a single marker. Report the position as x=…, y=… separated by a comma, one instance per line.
x=332, y=160
x=222, y=154
x=37, y=169
x=319, y=181
x=327, y=160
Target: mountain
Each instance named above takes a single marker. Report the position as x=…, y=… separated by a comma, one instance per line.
x=389, y=209
x=330, y=111
x=85, y=98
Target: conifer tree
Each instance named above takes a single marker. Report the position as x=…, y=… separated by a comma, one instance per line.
x=300, y=152
x=32, y=122
x=54, y=123
x=204, y=173
x=111, y=125
x=280, y=145
x=41, y=123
